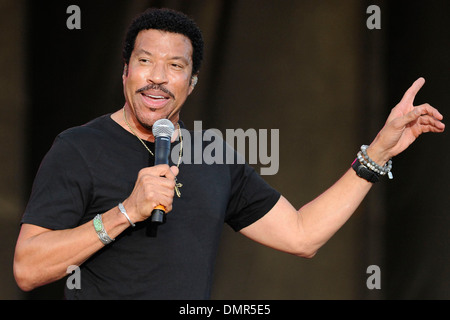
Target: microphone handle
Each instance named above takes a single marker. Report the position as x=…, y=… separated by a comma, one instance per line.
x=159, y=215
x=162, y=151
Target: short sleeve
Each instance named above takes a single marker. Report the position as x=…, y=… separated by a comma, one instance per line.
x=61, y=189
x=251, y=197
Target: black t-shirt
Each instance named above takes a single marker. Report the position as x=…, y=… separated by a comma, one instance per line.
x=91, y=168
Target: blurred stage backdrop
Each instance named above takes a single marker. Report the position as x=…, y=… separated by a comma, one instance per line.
x=313, y=70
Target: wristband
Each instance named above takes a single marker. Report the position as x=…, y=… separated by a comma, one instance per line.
x=364, y=172
x=100, y=229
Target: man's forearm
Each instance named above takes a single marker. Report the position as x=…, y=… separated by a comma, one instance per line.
x=323, y=216
x=302, y=232
x=42, y=255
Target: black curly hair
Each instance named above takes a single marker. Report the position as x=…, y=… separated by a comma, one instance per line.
x=170, y=21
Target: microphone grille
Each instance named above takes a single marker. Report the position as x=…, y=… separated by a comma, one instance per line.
x=163, y=127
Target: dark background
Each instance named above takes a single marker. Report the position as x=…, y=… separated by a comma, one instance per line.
x=309, y=68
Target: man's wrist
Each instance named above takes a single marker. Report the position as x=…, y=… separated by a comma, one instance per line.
x=100, y=230
x=124, y=212
x=363, y=172
x=378, y=156
x=364, y=165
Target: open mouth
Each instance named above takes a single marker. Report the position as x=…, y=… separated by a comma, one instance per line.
x=155, y=96
x=151, y=96
x=155, y=100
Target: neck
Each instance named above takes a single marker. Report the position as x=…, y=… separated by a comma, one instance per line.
x=134, y=126
x=127, y=120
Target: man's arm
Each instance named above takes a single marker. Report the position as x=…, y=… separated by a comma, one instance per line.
x=43, y=255
x=302, y=232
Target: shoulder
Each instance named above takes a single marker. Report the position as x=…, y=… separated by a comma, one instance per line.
x=97, y=127
x=87, y=141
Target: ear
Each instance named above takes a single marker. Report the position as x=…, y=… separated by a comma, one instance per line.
x=124, y=74
x=194, y=80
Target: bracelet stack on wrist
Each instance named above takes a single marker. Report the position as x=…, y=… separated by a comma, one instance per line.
x=368, y=169
x=364, y=158
x=100, y=229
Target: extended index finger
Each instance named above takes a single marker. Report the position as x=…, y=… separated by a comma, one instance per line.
x=411, y=93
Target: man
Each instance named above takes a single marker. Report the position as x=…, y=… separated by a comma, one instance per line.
x=97, y=186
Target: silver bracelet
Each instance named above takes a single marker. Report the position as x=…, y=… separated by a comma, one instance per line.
x=100, y=229
x=122, y=209
x=364, y=159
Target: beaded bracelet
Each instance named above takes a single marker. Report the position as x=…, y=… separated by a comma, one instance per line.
x=364, y=159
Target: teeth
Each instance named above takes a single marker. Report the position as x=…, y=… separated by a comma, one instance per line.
x=154, y=97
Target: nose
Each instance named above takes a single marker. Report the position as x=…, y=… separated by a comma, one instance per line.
x=157, y=74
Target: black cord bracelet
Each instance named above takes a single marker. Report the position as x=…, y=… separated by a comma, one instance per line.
x=364, y=172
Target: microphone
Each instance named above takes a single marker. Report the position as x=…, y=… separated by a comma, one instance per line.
x=162, y=131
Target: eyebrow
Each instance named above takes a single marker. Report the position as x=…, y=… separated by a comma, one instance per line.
x=140, y=51
x=143, y=51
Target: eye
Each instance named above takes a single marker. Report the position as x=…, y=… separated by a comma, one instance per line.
x=143, y=60
x=177, y=66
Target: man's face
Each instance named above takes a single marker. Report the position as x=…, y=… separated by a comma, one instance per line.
x=156, y=81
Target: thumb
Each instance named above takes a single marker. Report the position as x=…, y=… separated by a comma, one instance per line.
x=411, y=93
x=174, y=170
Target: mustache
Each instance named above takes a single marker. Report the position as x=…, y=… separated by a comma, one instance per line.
x=153, y=86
